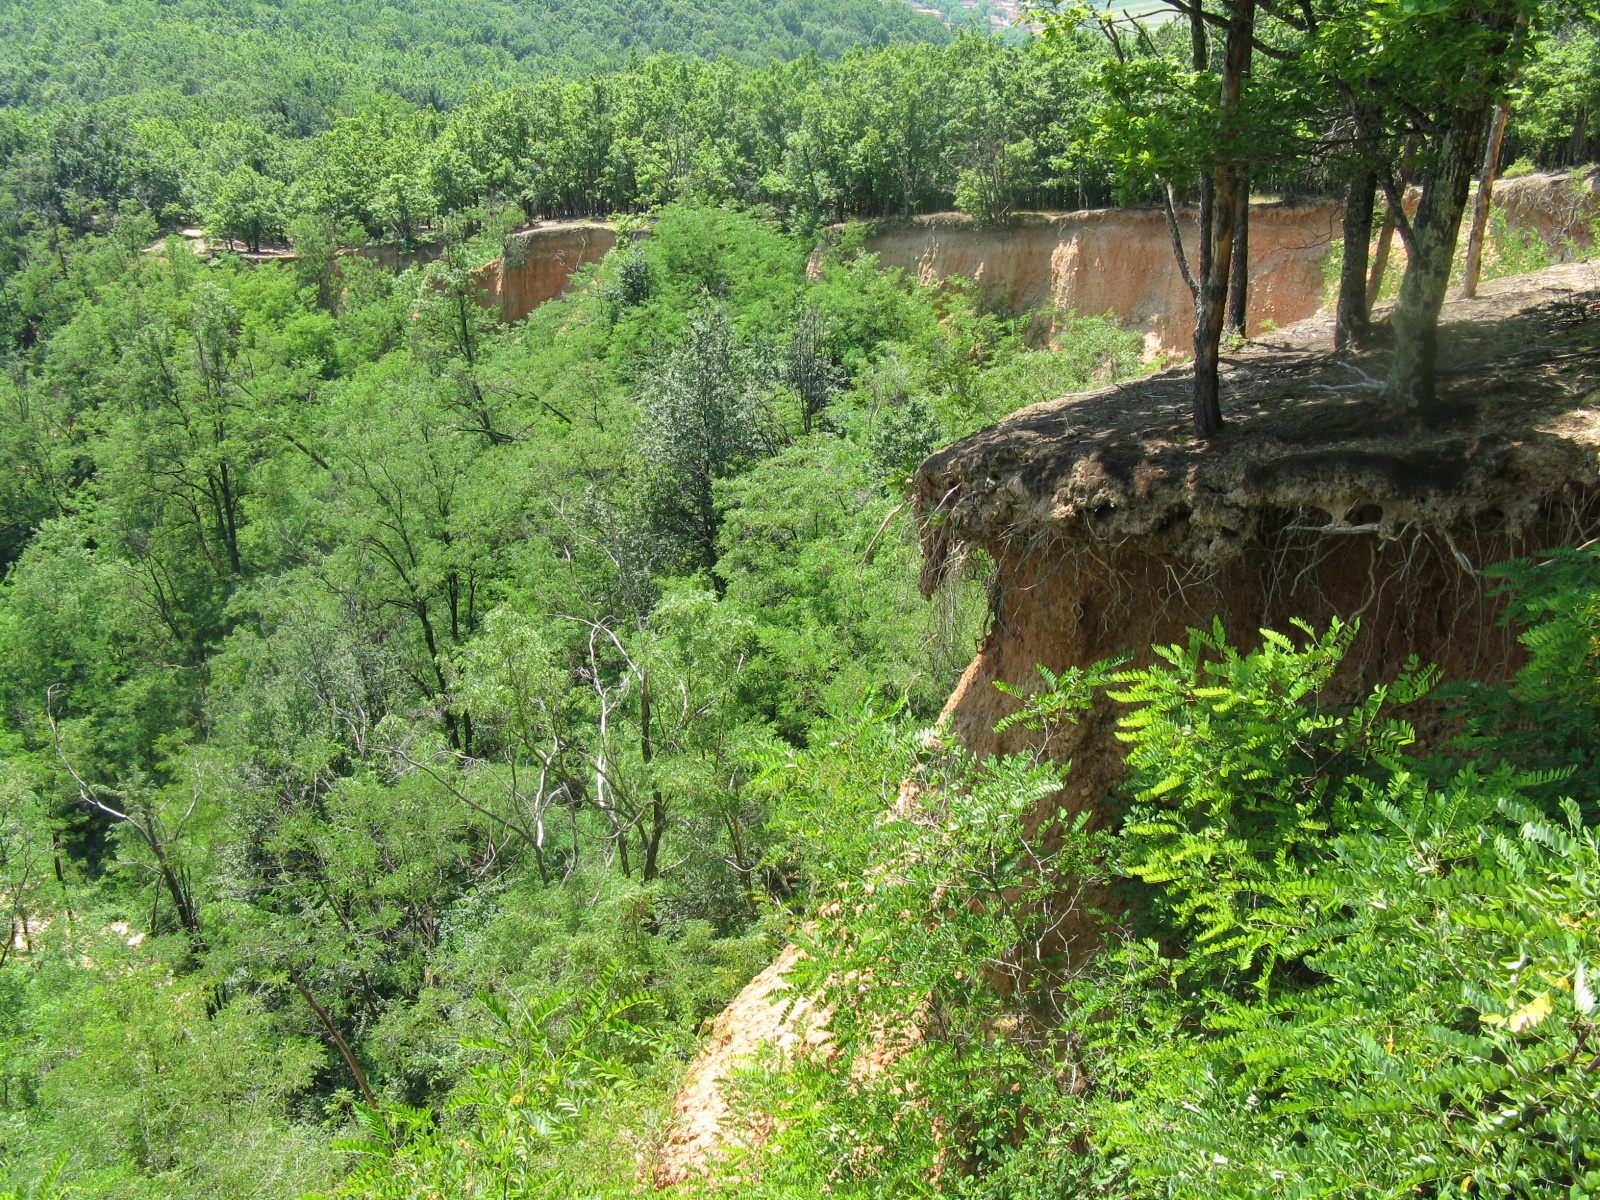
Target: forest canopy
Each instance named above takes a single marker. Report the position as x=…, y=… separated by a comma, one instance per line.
x=305, y=59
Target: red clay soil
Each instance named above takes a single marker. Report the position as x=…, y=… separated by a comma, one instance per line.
x=538, y=263
x=763, y=1014
x=1119, y=260
x=1116, y=260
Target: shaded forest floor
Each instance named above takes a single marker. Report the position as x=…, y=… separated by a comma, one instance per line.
x=1527, y=347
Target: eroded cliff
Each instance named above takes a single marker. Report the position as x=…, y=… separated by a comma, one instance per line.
x=538, y=263
x=1562, y=207
x=1116, y=260
x=1120, y=260
x=1089, y=263
x=1111, y=527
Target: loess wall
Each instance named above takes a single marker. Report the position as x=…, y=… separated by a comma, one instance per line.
x=1117, y=260
x=1561, y=207
x=1415, y=585
x=1090, y=263
x=1120, y=260
x=1087, y=263
x=1111, y=528
x=538, y=263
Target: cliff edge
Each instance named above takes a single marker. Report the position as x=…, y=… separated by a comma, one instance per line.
x=1111, y=527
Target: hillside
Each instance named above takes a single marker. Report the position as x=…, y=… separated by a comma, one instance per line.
x=310, y=61
x=465, y=632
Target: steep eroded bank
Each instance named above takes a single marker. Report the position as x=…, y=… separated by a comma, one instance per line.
x=1111, y=528
x=1120, y=260
x=1562, y=207
x=1116, y=260
x=538, y=263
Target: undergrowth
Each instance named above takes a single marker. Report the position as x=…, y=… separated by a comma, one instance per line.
x=1329, y=964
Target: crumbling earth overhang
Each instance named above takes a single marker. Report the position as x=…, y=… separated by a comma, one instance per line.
x=1110, y=527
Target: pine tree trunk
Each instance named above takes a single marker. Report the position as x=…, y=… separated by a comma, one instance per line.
x=1219, y=222
x=1237, y=323
x=1480, y=209
x=1431, y=247
x=1352, y=325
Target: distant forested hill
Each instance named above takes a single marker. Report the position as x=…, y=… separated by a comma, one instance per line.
x=311, y=60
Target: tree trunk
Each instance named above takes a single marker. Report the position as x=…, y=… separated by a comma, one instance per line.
x=1208, y=300
x=1209, y=305
x=333, y=1032
x=1579, y=138
x=658, y=827
x=1352, y=325
x=1236, y=325
x=620, y=832
x=658, y=807
x=1380, y=257
x=1431, y=246
x=1480, y=208
x=1219, y=220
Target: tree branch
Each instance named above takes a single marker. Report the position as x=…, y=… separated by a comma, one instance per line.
x=1395, y=195
x=866, y=556
x=307, y=451
x=1305, y=23
x=462, y=796
x=327, y=1023
x=1198, y=10
x=1177, y=239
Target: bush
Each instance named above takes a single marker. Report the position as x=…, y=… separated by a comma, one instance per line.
x=1350, y=970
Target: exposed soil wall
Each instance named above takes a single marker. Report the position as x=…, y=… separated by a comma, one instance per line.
x=763, y=1014
x=1120, y=260
x=393, y=258
x=1089, y=263
x=538, y=263
x=1116, y=260
x=1112, y=528
x=535, y=267
x=1561, y=207
x=1106, y=260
